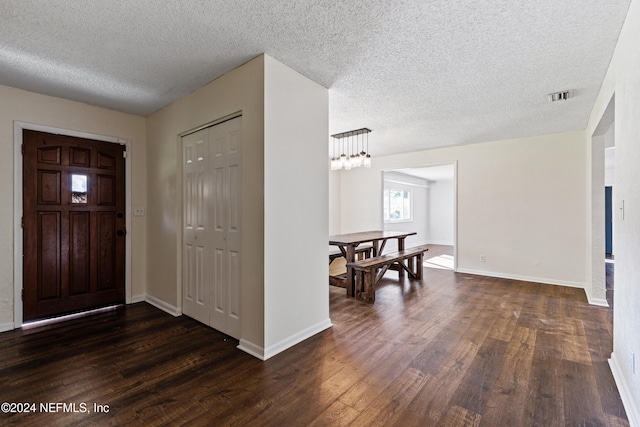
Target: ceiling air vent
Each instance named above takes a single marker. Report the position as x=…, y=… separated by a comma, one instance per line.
x=559, y=96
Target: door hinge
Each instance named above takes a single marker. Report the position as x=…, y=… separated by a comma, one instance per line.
x=22, y=149
x=22, y=222
x=124, y=154
x=22, y=294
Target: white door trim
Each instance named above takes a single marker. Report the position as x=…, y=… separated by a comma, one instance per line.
x=596, y=286
x=18, y=127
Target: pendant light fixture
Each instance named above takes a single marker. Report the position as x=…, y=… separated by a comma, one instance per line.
x=351, y=145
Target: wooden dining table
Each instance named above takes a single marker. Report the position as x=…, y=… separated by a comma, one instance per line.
x=378, y=240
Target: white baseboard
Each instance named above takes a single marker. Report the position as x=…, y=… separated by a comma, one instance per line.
x=296, y=338
x=138, y=298
x=251, y=348
x=266, y=353
x=158, y=303
x=439, y=242
x=546, y=281
x=633, y=412
x=4, y=327
x=595, y=301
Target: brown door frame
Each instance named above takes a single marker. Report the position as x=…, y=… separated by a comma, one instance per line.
x=18, y=127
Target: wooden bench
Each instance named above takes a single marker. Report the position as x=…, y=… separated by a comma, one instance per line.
x=369, y=271
x=361, y=252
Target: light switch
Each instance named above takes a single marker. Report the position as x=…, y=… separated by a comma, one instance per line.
x=138, y=211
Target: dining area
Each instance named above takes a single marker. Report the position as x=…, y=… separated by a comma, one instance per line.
x=366, y=261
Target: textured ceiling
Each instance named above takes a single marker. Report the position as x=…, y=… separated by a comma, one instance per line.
x=420, y=74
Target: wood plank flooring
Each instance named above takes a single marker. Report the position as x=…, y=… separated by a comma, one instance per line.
x=450, y=350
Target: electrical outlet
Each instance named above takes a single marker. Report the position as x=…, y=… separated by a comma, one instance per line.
x=483, y=258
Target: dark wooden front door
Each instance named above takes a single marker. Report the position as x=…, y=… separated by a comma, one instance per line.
x=74, y=224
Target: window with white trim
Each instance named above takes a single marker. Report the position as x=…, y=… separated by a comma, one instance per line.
x=397, y=205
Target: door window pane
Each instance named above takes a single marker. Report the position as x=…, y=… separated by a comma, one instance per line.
x=78, y=188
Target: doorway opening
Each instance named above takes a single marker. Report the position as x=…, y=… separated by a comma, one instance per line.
x=601, y=283
x=423, y=199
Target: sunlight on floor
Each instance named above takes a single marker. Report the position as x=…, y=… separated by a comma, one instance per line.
x=444, y=262
x=51, y=320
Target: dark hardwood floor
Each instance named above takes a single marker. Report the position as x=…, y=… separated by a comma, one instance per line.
x=451, y=350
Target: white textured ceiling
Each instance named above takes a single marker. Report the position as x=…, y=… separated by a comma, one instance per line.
x=419, y=73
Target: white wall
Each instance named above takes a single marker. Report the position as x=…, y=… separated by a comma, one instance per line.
x=29, y=107
x=284, y=217
x=521, y=204
x=610, y=168
x=441, y=212
x=610, y=157
x=334, y=202
x=596, y=276
x=242, y=90
x=295, y=207
x=623, y=80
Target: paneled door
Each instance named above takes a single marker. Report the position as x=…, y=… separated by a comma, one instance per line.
x=196, y=239
x=73, y=224
x=225, y=207
x=212, y=197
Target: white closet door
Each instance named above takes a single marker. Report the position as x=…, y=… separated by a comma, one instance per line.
x=196, y=239
x=226, y=208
